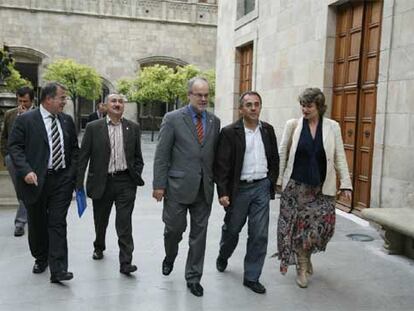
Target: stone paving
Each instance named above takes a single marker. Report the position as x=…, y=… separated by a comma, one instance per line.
x=350, y=275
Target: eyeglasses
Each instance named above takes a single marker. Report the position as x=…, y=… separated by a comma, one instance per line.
x=200, y=96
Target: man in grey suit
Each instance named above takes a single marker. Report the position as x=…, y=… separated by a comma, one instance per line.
x=183, y=176
x=112, y=146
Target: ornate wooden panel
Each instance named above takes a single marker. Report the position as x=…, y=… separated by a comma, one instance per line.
x=246, y=68
x=354, y=91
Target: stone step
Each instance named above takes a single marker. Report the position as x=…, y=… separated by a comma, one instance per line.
x=8, y=203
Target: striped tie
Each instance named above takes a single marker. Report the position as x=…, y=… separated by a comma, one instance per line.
x=199, y=128
x=57, y=155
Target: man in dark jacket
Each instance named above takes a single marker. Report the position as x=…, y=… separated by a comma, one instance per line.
x=43, y=146
x=112, y=147
x=25, y=97
x=99, y=113
x=246, y=169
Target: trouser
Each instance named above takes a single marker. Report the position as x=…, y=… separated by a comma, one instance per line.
x=252, y=202
x=175, y=220
x=47, y=221
x=21, y=214
x=121, y=190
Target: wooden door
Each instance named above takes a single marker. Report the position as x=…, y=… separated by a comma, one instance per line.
x=246, y=68
x=354, y=91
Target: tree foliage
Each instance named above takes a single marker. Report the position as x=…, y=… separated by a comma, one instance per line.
x=80, y=80
x=163, y=84
x=15, y=80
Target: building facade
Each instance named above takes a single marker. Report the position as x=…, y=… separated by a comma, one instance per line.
x=360, y=53
x=116, y=37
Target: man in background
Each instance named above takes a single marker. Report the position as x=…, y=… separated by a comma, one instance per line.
x=99, y=113
x=25, y=97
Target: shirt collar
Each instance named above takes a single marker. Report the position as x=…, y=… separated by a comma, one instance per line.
x=194, y=113
x=45, y=114
x=258, y=127
x=109, y=121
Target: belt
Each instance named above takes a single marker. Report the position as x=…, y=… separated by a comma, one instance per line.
x=51, y=171
x=118, y=173
x=251, y=181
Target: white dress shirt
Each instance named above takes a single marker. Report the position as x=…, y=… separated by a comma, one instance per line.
x=255, y=161
x=47, y=120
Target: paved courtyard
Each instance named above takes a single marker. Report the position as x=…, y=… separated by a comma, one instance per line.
x=351, y=275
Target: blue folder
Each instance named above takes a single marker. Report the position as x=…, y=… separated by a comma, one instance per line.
x=81, y=201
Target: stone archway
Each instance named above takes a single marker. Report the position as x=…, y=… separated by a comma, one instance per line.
x=29, y=62
x=161, y=60
x=150, y=115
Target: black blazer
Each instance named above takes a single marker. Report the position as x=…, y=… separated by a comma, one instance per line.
x=96, y=150
x=230, y=155
x=28, y=147
x=93, y=116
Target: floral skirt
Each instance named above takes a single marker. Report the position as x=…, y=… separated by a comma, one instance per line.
x=306, y=220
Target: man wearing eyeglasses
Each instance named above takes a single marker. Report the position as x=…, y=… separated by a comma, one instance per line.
x=183, y=177
x=112, y=146
x=246, y=170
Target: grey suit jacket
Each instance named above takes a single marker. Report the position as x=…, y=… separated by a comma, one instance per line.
x=181, y=161
x=96, y=150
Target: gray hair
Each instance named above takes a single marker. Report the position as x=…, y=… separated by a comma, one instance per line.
x=194, y=80
x=313, y=95
x=109, y=95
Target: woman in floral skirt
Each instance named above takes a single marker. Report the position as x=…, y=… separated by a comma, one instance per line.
x=311, y=154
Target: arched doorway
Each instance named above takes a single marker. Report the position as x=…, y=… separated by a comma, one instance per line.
x=87, y=106
x=28, y=62
x=150, y=114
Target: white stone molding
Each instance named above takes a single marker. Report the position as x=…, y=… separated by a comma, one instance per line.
x=168, y=11
x=162, y=60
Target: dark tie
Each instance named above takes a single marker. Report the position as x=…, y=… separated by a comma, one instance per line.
x=57, y=155
x=199, y=128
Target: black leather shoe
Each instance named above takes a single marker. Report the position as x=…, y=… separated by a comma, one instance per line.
x=18, y=231
x=39, y=267
x=167, y=267
x=196, y=289
x=128, y=269
x=257, y=287
x=61, y=276
x=221, y=264
x=97, y=254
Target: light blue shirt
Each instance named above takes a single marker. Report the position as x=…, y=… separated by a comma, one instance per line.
x=193, y=114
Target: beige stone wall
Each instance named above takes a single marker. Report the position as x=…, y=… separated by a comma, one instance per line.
x=290, y=53
x=294, y=43
x=111, y=36
x=393, y=165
